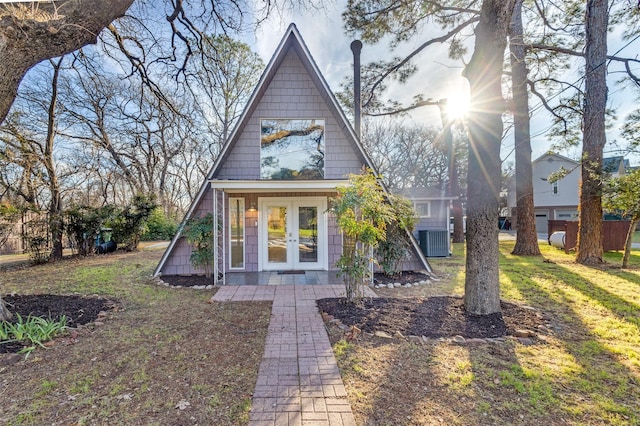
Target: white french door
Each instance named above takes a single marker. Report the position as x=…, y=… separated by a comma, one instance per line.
x=292, y=233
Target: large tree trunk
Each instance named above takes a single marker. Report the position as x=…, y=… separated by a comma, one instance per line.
x=589, y=248
x=484, y=72
x=56, y=225
x=29, y=35
x=527, y=236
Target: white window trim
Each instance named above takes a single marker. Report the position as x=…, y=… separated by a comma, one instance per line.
x=415, y=207
x=555, y=189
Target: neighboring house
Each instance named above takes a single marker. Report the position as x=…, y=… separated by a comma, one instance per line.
x=269, y=189
x=559, y=200
x=432, y=206
x=615, y=166
x=14, y=237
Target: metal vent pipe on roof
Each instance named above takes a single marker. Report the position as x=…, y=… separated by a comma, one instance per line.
x=356, y=47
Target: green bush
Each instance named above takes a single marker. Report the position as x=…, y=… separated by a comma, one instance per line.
x=362, y=213
x=131, y=222
x=159, y=226
x=199, y=233
x=396, y=245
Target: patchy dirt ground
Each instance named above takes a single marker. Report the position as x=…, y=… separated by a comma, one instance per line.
x=431, y=317
x=165, y=356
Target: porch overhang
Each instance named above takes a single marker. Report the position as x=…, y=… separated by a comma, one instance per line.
x=264, y=186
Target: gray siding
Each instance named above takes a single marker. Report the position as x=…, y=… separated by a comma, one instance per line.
x=178, y=262
x=439, y=219
x=291, y=94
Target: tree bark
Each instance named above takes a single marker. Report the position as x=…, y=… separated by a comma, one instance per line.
x=484, y=72
x=589, y=247
x=29, y=35
x=527, y=236
x=627, y=244
x=56, y=225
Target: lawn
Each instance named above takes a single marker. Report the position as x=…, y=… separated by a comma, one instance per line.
x=165, y=356
x=584, y=371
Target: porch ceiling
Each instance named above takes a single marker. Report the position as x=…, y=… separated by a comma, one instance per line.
x=231, y=186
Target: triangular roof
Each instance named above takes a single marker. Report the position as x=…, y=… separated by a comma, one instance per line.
x=554, y=154
x=613, y=164
x=292, y=40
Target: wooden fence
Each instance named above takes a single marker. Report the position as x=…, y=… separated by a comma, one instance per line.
x=614, y=233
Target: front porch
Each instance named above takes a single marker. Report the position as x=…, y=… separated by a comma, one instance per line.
x=267, y=278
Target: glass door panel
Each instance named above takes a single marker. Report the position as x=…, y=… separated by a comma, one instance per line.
x=277, y=234
x=307, y=234
x=292, y=234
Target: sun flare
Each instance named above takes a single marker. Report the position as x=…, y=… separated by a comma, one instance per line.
x=458, y=105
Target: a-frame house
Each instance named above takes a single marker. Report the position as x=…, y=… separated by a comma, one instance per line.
x=269, y=188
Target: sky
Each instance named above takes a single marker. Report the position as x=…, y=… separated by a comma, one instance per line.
x=438, y=76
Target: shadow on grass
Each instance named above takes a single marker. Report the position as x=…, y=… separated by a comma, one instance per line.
x=602, y=381
x=569, y=377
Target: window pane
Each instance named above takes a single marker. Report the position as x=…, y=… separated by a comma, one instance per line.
x=308, y=234
x=423, y=209
x=236, y=232
x=277, y=240
x=292, y=149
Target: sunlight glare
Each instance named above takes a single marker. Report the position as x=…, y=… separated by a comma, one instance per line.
x=458, y=105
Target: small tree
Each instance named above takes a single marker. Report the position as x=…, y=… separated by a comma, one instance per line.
x=199, y=233
x=395, y=247
x=37, y=231
x=362, y=214
x=621, y=194
x=129, y=225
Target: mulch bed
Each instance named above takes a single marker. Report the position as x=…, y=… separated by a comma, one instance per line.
x=431, y=317
x=403, y=278
x=187, y=280
x=379, y=278
x=79, y=310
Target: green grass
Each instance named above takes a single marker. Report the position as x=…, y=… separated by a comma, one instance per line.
x=586, y=370
x=596, y=313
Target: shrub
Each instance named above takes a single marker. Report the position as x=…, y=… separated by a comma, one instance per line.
x=199, y=233
x=131, y=222
x=83, y=224
x=362, y=214
x=159, y=226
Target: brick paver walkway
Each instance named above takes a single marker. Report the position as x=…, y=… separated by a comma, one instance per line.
x=298, y=380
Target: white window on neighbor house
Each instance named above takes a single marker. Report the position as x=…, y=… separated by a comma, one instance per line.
x=423, y=208
x=554, y=188
x=567, y=215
